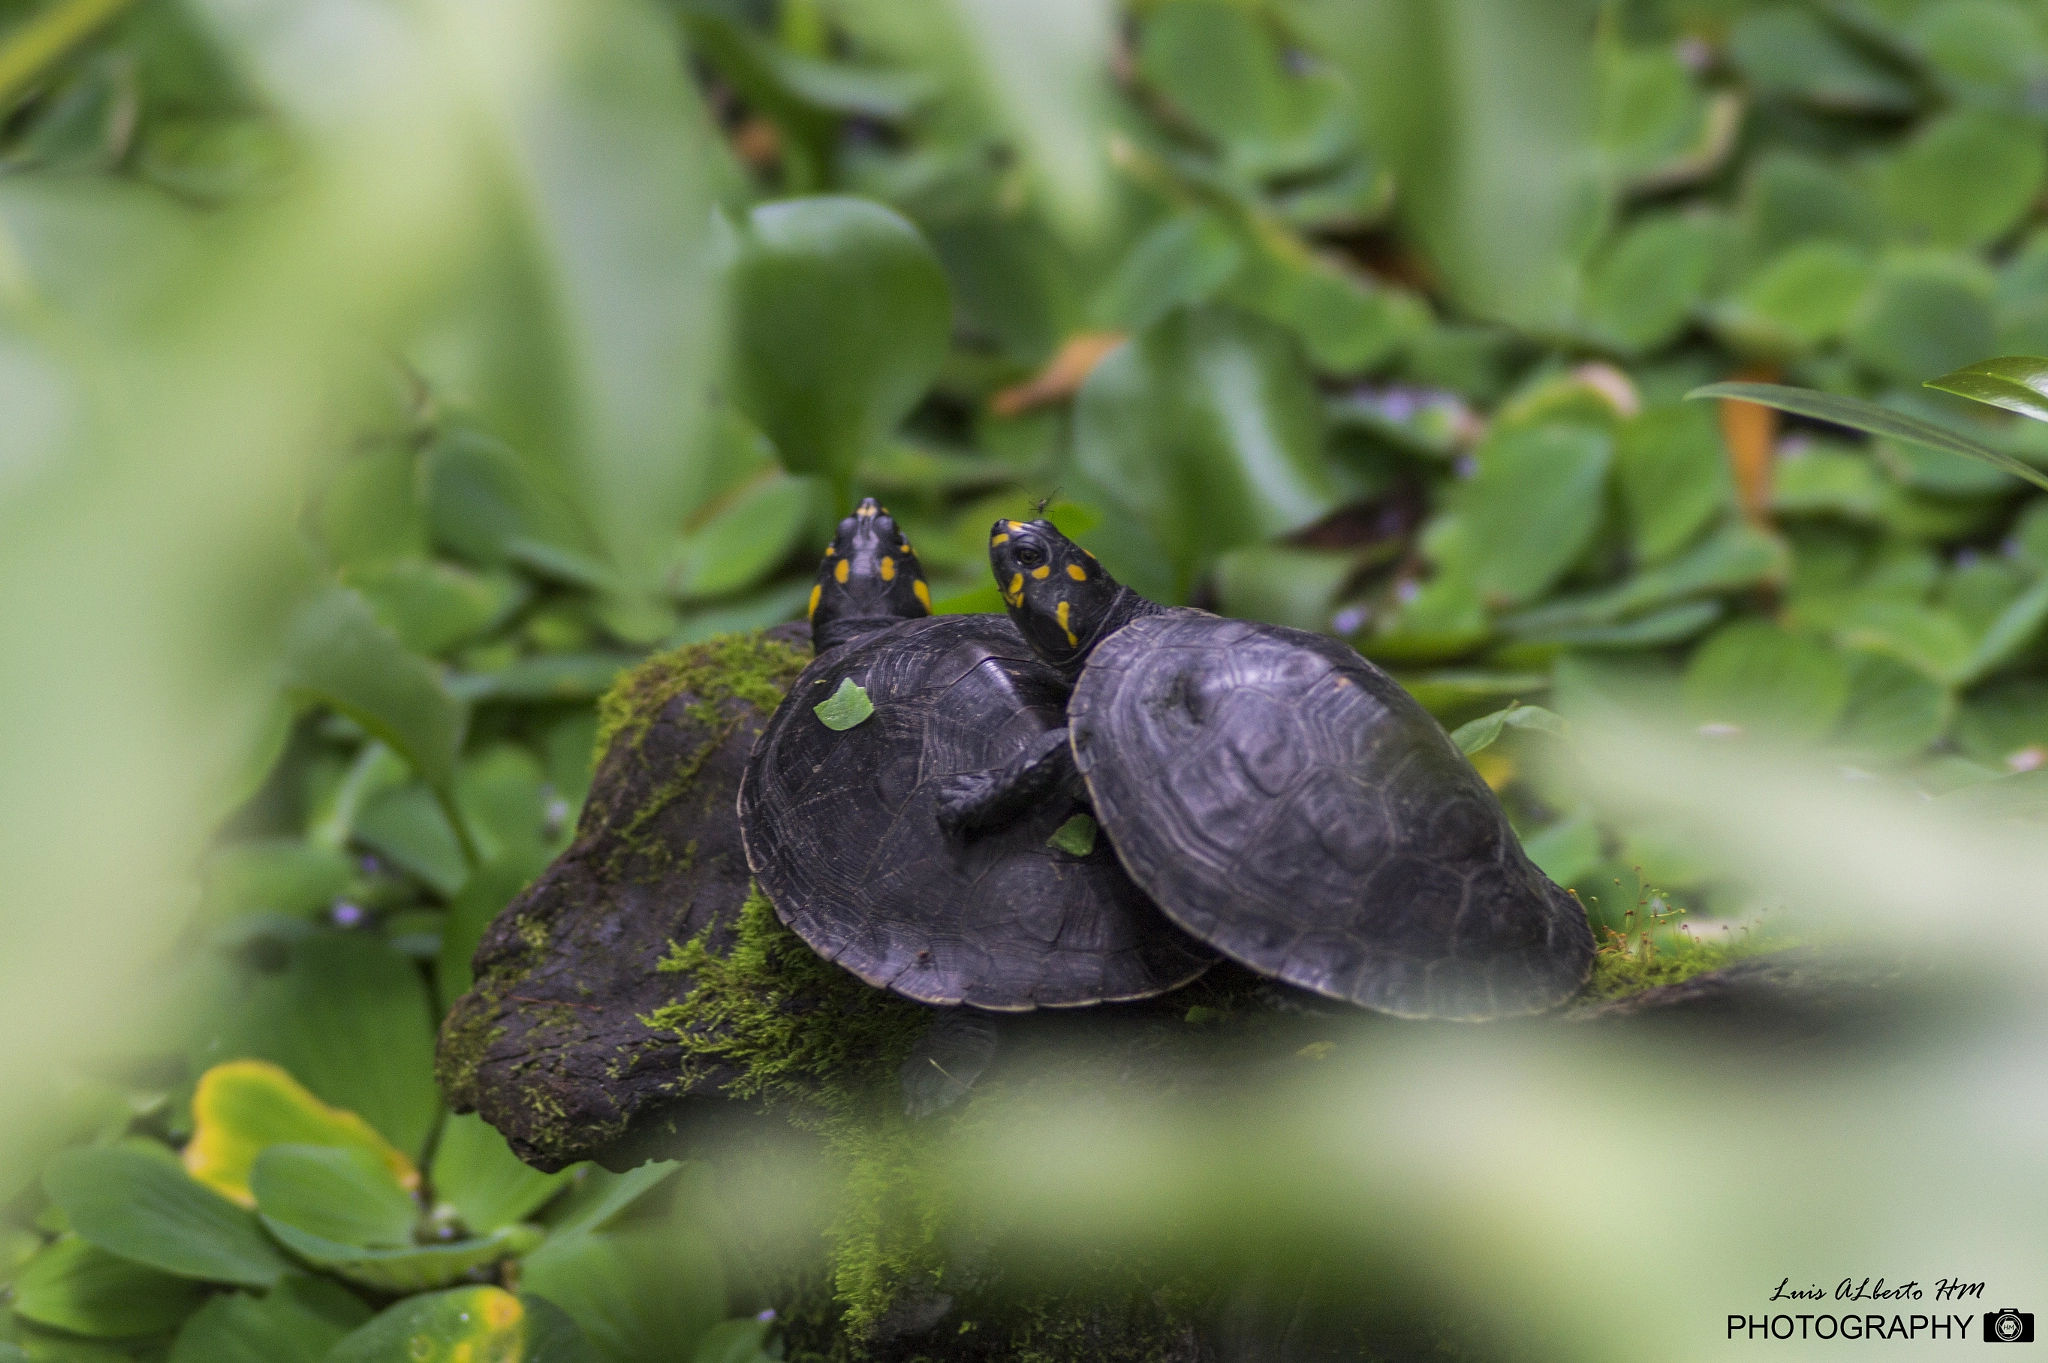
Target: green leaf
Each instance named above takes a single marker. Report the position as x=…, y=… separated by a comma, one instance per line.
x=485, y=506
x=841, y=314
x=1859, y=415
x=1757, y=676
x=338, y=653
x=273, y=875
x=2009, y=635
x=1791, y=197
x=242, y=1107
x=1566, y=850
x=76, y=1286
x=1207, y=431
x=334, y=1192
x=1294, y=587
x=1804, y=296
x=637, y=1294
x=1534, y=504
x=370, y=512
x=553, y=1336
x=1894, y=709
x=1924, y=315
x=349, y=1017
x=408, y=1269
x=408, y=827
x=149, y=1210
x=432, y=607
x=844, y=708
x=744, y=538
x=1964, y=178
x=1345, y=323
x=1646, y=286
x=734, y=1341
x=465, y=1325
x=1787, y=50
x=1739, y=556
x=1673, y=471
x=2018, y=383
x=1921, y=636
x=488, y=1185
x=1226, y=75
x=1075, y=837
x=1483, y=732
x=2022, y=796
x=599, y=1195
x=1185, y=259
x=297, y=1321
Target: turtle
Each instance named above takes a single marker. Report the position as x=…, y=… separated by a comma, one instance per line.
x=1280, y=798
x=840, y=827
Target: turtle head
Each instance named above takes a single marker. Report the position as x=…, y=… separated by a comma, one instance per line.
x=869, y=580
x=1061, y=599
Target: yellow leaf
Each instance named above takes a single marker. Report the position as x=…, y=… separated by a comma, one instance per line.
x=243, y=1106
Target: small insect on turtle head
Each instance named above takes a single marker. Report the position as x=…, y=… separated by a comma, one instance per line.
x=1056, y=592
x=869, y=580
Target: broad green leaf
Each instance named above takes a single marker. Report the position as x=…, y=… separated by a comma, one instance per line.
x=1345, y=323
x=598, y=1195
x=637, y=1294
x=337, y=1193
x=1790, y=197
x=1834, y=481
x=1482, y=733
x=1184, y=259
x=150, y=1211
x=846, y=707
x=553, y=1336
x=1789, y=50
x=1224, y=72
x=1282, y=586
x=1486, y=113
x=1980, y=47
x=554, y=676
x=370, y=512
x=1918, y=635
x=2015, y=628
x=297, y=1321
x=1924, y=315
x=1894, y=709
x=1859, y=415
x=349, y=1017
x=488, y=1185
x=1804, y=296
x=734, y=1341
x=76, y=1286
x=1644, y=288
x=841, y=314
x=1535, y=502
x=1651, y=111
x=273, y=875
x=1075, y=837
x=1206, y=429
x=1738, y=556
x=338, y=653
x=408, y=827
x=1458, y=691
x=2004, y=723
x=1673, y=470
x=744, y=538
x=419, y=1268
x=1566, y=850
x=465, y=1325
x=2018, y=383
x=1933, y=471
x=485, y=506
x=243, y=1107
x=1757, y=676
x=1653, y=629
x=432, y=607
x=1964, y=178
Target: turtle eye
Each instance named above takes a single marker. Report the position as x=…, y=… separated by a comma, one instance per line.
x=1030, y=555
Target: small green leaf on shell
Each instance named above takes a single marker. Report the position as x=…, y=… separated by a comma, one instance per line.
x=1076, y=836
x=846, y=707
x=1481, y=733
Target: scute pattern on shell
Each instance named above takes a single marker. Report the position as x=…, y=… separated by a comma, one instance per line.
x=1288, y=803
x=841, y=833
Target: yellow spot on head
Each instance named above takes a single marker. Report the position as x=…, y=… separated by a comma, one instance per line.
x=888, y=569
x=1042, y=571
x=903, y=548
x=840, y=573
x=1077, y=572
x=924, y=593
x=1014, y=525
x=817, y=590
x=1063, y=614
x=1000, y=539
x=830, y=550
x=1014, y=593
x=866, y=510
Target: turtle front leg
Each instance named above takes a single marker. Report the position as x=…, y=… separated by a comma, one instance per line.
x=975, y=801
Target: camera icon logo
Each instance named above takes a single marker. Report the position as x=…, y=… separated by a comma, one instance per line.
x=2009, y=1327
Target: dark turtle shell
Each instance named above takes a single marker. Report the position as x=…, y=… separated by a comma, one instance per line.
x=841, y=833
x=1288, y=803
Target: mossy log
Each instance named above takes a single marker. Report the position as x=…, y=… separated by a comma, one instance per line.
x=549, y=1045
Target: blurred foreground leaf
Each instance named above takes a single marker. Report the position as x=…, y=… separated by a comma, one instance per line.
x=146, y=1208
x=76, y=1286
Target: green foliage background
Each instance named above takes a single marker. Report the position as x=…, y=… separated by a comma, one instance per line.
x=380, y=377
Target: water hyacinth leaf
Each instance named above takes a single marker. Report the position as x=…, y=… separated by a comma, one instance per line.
x=1803, y=297
x=846, y=707
x=408, y=827
x=243, y=1107
x=1643, y=290
x=432, y=607
x=273, y=875
x=1206, y=430
x=336, y=1193
x=1282, y=586
x=420, y=1268
x=1566, y=850
x=734, y=1341
x=148, y=1210
x=488, y=1185
x=2016, y=627
x=1789, y=197
x=1859, y=415
x=1785, y=49
x=485, y=506
x=1532, y=507
x=553, y=1336
x=598, y=1195
x=1963, y=178
x=1483, y=732
x=1653, y=629
x=1075, y=837
x=338, y=653
x=1924, y=315
x=465, y=1325
x=370, y=511
x=349, y=1018
x=1673, y=470
x=297, y=1321
x=745, y=538
x=76, y=1286
x=2018, y=383
x=1893, y=709
x=1185, y=259
x=635, y=1293
x=1345, y=323
x=1737, y=556
x=1756, y=676
x=1919, y=635
x=1221, y=68
x=841, y=313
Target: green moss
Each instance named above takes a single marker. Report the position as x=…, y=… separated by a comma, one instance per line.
x=820, y=1046
x=748, y=667
x=1629, y=966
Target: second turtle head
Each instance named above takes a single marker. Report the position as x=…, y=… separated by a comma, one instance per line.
x=1057, y=594
x=869, y=580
